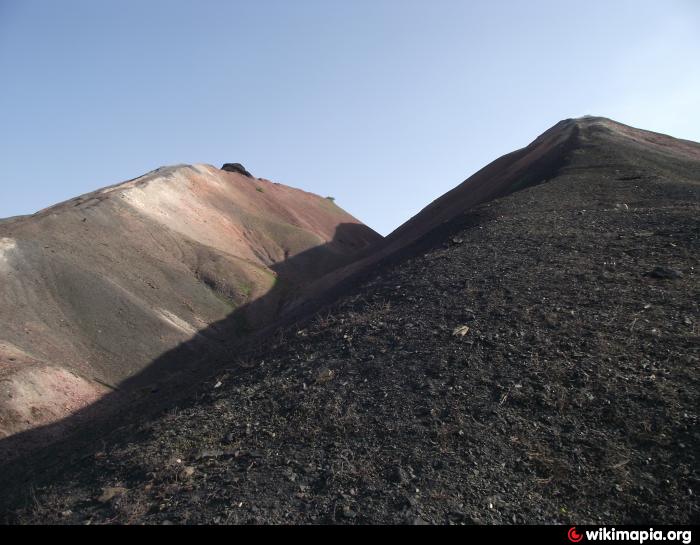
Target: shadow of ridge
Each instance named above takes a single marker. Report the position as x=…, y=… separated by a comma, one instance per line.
x=172, y=376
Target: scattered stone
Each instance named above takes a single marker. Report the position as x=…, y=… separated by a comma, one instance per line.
x=325, y=375
x=408, y=502
x=460, y=331
x=186, y=472
x=348, y=513
x=111, y=492
x=666, y=273
x=398, y=475
x=209, y=453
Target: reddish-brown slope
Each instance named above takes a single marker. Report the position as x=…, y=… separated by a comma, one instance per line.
x=96, y=288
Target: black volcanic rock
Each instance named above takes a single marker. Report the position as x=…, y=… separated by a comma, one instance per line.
x=236, y=167
x=572, y=398
x=665, y=273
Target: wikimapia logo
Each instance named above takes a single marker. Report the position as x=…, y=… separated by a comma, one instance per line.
x=637, y=536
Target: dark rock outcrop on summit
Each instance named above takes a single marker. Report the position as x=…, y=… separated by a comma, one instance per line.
x=236, y=167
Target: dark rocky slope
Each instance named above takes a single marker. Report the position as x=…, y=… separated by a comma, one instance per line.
x=572, y=397
x=600, y=139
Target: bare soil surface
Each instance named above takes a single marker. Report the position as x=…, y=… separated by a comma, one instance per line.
x=532, y=359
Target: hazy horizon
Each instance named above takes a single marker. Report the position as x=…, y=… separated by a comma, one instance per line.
x=384, y=105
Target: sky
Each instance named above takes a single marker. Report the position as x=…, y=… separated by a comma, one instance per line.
x=383, y=104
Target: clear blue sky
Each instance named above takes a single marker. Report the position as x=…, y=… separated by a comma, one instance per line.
x=383, y=104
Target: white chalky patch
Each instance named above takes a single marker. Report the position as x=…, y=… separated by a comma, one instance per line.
x=7, y=245
x=177, y=322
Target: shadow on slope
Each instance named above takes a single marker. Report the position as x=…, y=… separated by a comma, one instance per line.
x=175, y=373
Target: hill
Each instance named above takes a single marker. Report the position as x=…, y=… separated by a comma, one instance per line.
x=97, y=288
x=528, y=354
